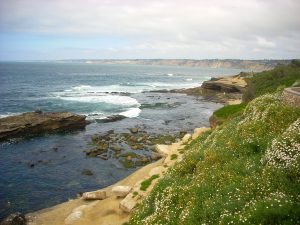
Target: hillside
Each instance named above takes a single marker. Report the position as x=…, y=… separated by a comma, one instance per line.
x=245, y=171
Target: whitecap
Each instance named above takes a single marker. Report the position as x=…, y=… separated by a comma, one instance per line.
x=170, y=74
x=82, y=87
x=110, y=99
x=131, y=113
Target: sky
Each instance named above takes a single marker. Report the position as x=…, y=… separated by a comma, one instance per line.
x=132, y=29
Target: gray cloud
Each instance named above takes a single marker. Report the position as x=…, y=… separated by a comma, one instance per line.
x=170, y=29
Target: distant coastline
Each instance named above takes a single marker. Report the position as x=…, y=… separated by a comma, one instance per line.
x=257, y=65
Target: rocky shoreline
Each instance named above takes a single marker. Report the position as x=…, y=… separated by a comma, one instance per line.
x=226, y=90
x=113, y=204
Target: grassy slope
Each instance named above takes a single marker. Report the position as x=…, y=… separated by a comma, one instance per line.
x=246, y=171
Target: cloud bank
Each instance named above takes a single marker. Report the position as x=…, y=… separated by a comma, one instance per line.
x=39, y=29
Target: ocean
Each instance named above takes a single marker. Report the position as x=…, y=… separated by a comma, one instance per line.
x=138, y=92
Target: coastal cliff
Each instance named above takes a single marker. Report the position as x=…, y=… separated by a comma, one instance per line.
x=256, y=65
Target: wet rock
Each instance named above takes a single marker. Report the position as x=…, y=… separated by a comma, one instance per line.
x=132, y=139
x=94, y=138
x=112, y=118
x=14, y=219
x=94, y=195
x=121, y=191
x=182, y=133
x=116, y=148
x=28, y=124
x=87, y=172
x=31, y=164
x=135, y=147
x=134, y=130
x=140, y=139
x=103, y=156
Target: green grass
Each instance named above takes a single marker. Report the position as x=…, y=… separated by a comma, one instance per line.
x=229, y=111
x=246, y=171
x=174, y=156
x=146, y=183
x=272, y=80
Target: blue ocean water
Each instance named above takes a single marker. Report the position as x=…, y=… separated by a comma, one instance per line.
x=97, y=91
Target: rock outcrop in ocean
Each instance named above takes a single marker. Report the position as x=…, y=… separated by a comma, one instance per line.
x=36, y=123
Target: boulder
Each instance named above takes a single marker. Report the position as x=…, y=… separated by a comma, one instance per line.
x=14, y=219
x=134, y=130
x=162, y=149
x=155, y=156
x=127, y=204
x=186, y=138
x=121, y=191
x=32, y=123
x=94, y=195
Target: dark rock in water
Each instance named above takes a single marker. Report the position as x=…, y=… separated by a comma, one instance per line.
x=32, y=123
x=182, y=133
x=31, y=164
x=110, y=132
x=112, y=118
x=94, y=138
x=87, y=172
x=14, y=219
x=134, y=130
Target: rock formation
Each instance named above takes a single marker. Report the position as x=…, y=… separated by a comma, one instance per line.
x=36, y=123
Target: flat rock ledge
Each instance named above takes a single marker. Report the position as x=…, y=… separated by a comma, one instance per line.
x=36, y=123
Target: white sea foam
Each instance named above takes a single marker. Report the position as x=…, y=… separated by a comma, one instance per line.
x=170, y=74
x=110, y=99
x=82, y=87
x=131, y=113
x=9, y=114
x=188, y=79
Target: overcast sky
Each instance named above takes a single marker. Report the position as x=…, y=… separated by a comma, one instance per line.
x=197, y=29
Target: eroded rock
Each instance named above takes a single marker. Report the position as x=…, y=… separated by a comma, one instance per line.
x=94, y=195
x=121, y=191
x=32, y=123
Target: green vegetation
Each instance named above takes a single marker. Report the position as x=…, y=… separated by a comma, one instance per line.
x=146, y=183
x=246, y=171
x=273, y=80
x=174, y=156
x=229, y=111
